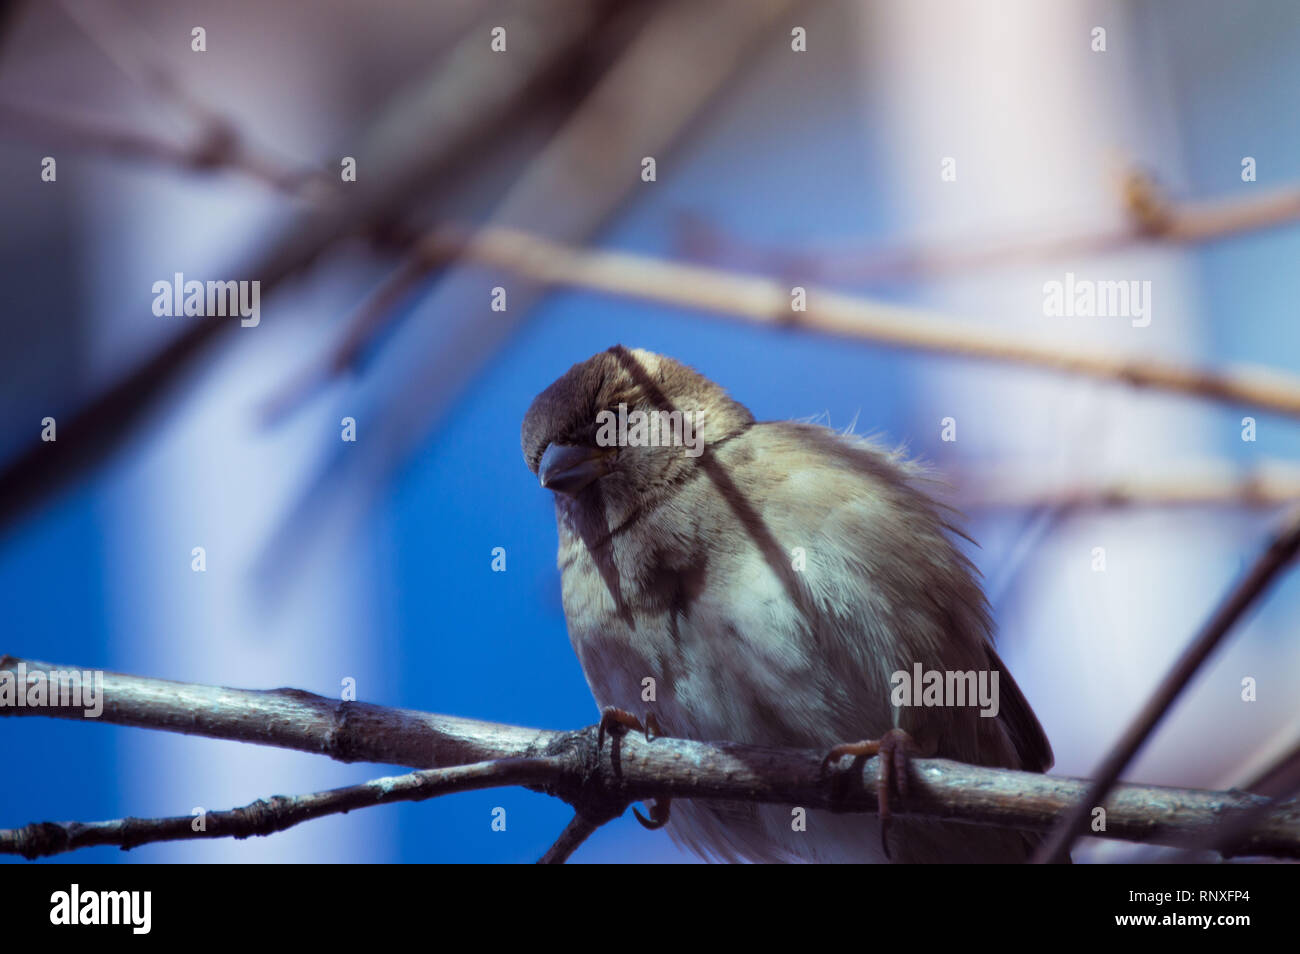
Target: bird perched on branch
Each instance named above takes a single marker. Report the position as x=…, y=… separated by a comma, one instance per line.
x=767, y=583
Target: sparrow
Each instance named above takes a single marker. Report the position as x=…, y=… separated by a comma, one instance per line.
x=726, y=579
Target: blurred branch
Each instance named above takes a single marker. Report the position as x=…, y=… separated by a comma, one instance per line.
x=1280, y=552
x=1156, y=216
x=1267, y=484
x=125, y=44
x=10, y=13
x=215, y=149
x=767, y=301
x=600, y=781
x=219, y=145
x=1281, y=782
x=468, y=102
x=364, y=325
x=1153, y=218
x=1280, y=779
x=680, y=59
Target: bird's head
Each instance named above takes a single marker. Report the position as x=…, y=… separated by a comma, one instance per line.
x=629, y=422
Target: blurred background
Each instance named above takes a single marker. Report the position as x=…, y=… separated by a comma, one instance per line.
x=804, y=142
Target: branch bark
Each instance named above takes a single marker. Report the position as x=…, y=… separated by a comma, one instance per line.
x=601, y=782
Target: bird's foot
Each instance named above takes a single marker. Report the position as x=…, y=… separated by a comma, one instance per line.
x=896, y=749
x=617, y=721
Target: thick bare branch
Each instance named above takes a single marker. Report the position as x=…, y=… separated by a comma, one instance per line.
x=600, y=782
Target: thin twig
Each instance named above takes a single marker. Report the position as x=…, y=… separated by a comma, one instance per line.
x=369, y=318
x=278, y=813
x=1180, y=222
x=1281, y=550
x=1262, y=485
x=219, y=145
x=124, y=44
x=599, y=783
x=208, y=153
x=578, y=830
x=1280, y=778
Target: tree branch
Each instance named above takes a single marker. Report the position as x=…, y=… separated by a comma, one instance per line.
x=278, y=813
x=1153, y=218
x=466, y=105
x=213, y=149
x=767, y=301
x=600, y=783
x=1281, y=550
x=1260, y=485
x=220, y=143
x=578, y=830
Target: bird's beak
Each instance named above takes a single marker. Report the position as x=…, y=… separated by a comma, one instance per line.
x=567, y=468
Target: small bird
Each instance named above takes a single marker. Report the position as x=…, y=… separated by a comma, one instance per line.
x=771, y=580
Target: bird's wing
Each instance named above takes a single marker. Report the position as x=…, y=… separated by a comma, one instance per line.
x=896, y=567
x=1026, y=732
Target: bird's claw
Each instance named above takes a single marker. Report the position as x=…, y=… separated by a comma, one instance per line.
x=659, y=812
x=615, y=720
x=896, y=749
